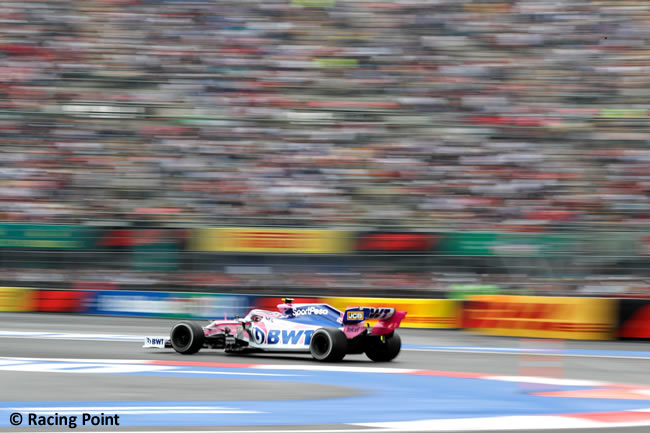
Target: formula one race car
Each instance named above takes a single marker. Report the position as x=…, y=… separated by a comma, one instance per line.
x=320, y=329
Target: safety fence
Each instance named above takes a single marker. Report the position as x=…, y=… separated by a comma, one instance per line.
x=577, y=318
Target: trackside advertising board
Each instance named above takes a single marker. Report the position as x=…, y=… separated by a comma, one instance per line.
x=507, y=244
x=62, y=301
x=505, y=315
x=540, y=316
x=265, y=240
x=421, y=313
x=407, y=242
x=47, y=236
x=16, y=299
x=633, y=319
x=169, y=304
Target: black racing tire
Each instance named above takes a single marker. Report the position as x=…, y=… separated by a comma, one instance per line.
x=187, y=337
x=384, y=349
x=328, y=345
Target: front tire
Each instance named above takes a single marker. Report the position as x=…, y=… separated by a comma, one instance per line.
x=187, y=337
x=384, y=348
x=328, y=345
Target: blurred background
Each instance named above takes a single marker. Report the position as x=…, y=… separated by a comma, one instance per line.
x=326, y=147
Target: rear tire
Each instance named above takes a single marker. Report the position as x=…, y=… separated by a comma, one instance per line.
x=384, y=350
x=328, y=345
x=187, y=337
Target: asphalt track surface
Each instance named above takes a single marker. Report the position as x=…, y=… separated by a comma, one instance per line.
x=448, y=354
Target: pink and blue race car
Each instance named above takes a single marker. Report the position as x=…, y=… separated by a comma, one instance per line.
x=320, y=329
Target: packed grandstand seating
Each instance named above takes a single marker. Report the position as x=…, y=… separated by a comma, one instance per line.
x=527, y=116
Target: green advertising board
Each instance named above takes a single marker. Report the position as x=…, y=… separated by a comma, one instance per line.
x=463, y=291
x=157, y=257
x=47, y=236
x=314, y=3
x=507, y=244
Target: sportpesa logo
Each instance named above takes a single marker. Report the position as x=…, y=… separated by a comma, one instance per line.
x=311, y=310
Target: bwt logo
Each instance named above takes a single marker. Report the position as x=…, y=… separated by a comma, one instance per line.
x=258, y=335
x=157, y=341
x=379, y=313
x=277, y=336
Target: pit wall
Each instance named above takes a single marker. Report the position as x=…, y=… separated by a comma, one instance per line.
x=576, y=318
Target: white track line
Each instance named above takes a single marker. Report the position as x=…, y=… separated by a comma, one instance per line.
x=560, y=424
x=548, y=381
x=82, y=360
x=341, y=368
x=236, y=373
x=347, y=430
x=462, y=349
x=154, y=412
x=110, y=408
x=518, y=352
x=502, y=423
x=45, y=335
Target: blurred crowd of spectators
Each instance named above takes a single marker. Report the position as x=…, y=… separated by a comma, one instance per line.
x=453, y=114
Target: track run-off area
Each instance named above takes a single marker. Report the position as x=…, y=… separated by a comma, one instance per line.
x=67, y=366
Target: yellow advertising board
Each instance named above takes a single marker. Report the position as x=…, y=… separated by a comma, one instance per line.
x=265, y=240
x=16, y=299
x=541, y=316
x=421, y=313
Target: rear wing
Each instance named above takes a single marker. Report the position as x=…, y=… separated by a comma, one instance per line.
x=388, y=319
x=359, y=314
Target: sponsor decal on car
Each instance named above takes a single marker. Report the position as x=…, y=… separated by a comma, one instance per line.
x=158, y=342
x=258, y=335
x=378, y=313
x=155, y=340
x=354, y=315
x=310, y=310
x=283, y=336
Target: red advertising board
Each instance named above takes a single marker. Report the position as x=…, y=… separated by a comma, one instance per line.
x=60, y=301
x=397, y=242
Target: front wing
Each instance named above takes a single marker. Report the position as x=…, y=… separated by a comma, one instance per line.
x=157, y=342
